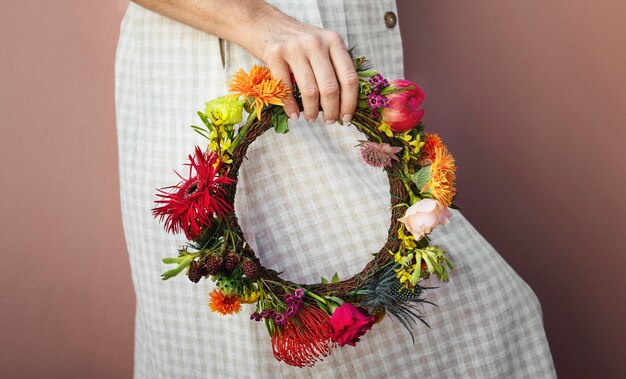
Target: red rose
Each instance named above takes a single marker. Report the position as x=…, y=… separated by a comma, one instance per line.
x=348, y=324
x=403, y=114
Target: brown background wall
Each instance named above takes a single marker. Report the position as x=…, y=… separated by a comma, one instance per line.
x=531, y=96
x=528, y=94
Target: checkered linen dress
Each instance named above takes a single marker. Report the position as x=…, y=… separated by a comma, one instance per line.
x=310, y=208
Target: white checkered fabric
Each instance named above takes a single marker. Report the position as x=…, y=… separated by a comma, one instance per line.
x=308, y=206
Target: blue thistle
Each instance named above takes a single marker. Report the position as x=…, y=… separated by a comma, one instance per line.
x=386, y=292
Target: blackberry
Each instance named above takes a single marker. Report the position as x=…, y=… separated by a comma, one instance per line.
x=213, y=264
x=250, y=269
x=194, y=273
x=203, y=269
x=231, y=261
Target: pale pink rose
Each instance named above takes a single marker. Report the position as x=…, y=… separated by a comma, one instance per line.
x=424, y=216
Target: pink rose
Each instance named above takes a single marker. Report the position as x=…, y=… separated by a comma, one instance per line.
x=348, y=324
x=403, y=114
x=422, y=217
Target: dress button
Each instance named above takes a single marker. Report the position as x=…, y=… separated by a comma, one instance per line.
x=390, y=19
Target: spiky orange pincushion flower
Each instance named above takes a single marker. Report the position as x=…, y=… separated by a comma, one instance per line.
x=224, y=304
x=259, y=86
x=431, y=143
x=442, y=177
x=304, y=339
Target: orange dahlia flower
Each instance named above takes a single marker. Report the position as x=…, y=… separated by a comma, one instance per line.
x=259, y=86
x=224, y=304
x=442, y=177
x=431, y=143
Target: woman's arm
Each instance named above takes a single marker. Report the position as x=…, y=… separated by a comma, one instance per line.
x=317, y=58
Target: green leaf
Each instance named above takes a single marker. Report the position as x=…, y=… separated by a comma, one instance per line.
x=429, y=261
x=421, y=178
x=367, y=73
x=206, y=121
x=279, y=121
x=323, y=306
x=324, y=280
x=200, y=131
x=391, y=89
x=335, y=278
x=337, y=300
x=449, y=263
x=183, y=262
x=358, y=292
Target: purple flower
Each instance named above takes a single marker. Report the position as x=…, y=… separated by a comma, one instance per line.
x=385, y=102
x=256, y=316
x=372, y=100
x=380, y=86
x=378, y=83
x=375, y=79
x=291, y=311
x=299, y=293
x=376, y=101
x=289, y=298
x=279, y=319
x=268, y=314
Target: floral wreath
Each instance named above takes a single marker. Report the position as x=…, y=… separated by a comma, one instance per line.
x=305, y=321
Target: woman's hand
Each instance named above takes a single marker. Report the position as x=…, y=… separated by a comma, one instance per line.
x=318, y=59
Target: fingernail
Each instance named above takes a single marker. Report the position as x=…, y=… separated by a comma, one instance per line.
x=347, y=117
x=293, y=116
x=311, y=120
x=330, y=122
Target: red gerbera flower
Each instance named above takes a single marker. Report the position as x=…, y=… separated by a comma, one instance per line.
x=192, y=204
x=304, y=338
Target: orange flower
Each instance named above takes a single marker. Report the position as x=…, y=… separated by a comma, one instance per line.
x=259, y=86
x=442, y=176
x=431, y=143
x=224, y=304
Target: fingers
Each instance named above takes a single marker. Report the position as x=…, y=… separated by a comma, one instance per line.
x=280, y=70
x=305, y=78
x=322, y=68
x=327, y=84
x=348, y=80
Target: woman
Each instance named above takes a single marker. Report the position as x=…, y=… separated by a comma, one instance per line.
x=306, y=203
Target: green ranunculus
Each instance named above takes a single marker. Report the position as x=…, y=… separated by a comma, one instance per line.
x=225, y=110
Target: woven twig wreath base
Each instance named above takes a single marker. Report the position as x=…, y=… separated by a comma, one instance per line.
x=342, y=288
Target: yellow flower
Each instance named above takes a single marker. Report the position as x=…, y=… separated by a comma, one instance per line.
x=403, y=276
x=225, y=110
x=417, y=144
x=407, y=240
x=249, y=296
x=226, y=143
x=386, y=128
x=213, y=146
